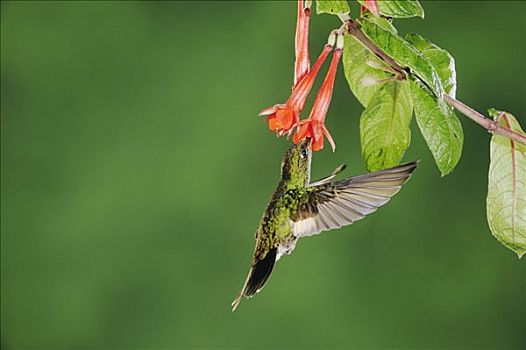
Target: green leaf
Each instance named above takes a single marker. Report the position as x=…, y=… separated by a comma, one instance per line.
x=365, y=72
x=404, y=53
x=400, y=8
x=506, y=201
x=440, y=59
x=382, y=22
x=439, y=126
x=333, y=7
x=384, y=126
x=361, y=68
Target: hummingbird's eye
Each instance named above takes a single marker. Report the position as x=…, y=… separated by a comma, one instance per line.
x=304, y=153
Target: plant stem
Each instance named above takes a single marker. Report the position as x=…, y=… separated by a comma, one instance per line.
x=489, y=124
x=353, y=28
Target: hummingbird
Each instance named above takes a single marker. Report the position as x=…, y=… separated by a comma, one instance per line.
x=299, y=208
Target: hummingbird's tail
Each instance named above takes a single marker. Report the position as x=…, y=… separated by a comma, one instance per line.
x=257, y=277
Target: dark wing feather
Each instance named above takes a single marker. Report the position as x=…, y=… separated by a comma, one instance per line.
x=257, y=276
x=260, y=273
x=340, y=203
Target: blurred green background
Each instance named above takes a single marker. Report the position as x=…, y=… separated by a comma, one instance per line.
x=134, y=173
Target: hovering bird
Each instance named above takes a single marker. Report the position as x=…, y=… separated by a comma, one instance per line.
x=299, y=208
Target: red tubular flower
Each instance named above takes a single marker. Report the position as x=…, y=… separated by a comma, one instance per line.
x=314, y=126
x=282, y=118
x=302, y=64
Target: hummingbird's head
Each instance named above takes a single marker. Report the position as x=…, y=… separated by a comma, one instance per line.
x=295, y=166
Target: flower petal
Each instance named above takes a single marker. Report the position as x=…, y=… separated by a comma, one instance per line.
x=317, y=145
x=329, y=138
x=283, y=120
x=302, y=132
x=270, y=110
x=273, y=123
x=285, y=117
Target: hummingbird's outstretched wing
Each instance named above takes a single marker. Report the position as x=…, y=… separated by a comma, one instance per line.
x=326, y=179
x=339, y=203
